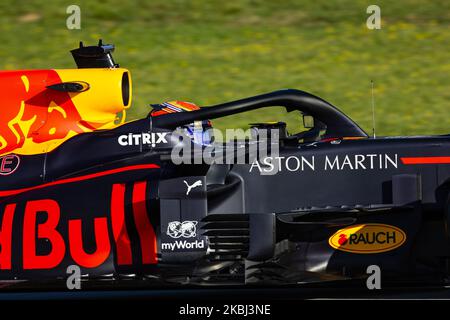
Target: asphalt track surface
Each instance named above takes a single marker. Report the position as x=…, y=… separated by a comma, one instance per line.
x=241, y=294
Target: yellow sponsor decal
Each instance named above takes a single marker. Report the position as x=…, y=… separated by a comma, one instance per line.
x=368, y=238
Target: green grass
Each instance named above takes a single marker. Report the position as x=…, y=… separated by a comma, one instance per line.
x=210, y=52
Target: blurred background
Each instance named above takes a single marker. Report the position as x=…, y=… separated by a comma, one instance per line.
x=209, y=52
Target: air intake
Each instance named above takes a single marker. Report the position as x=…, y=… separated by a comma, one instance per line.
x=228, y=236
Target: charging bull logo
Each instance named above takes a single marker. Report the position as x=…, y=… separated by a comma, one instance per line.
x=31, y=111
x=368, y=238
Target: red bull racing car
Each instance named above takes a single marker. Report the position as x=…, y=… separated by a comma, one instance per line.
x=139, y=201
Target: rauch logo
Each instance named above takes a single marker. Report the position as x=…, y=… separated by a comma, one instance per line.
x=368, y=238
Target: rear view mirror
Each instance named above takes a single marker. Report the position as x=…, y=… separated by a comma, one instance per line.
x=308, y=121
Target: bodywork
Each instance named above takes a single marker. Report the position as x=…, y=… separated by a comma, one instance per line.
x=331, y=203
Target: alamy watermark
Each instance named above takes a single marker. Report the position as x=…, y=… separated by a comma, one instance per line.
x=74, y=279
x=373, y=22
x=374, y=280
x=242, y=147
x=73, y=21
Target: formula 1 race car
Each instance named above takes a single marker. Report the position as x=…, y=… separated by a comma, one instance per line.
x=163, y=200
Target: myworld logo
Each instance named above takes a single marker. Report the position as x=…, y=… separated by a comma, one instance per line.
x=183, y=244
x=185, y=229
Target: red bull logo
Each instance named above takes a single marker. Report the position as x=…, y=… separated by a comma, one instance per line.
x=67, y=236
x=31, y=111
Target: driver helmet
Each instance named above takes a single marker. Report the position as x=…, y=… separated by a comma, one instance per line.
x=199, y=131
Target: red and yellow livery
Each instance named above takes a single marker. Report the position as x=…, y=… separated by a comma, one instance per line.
x=36, y=118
